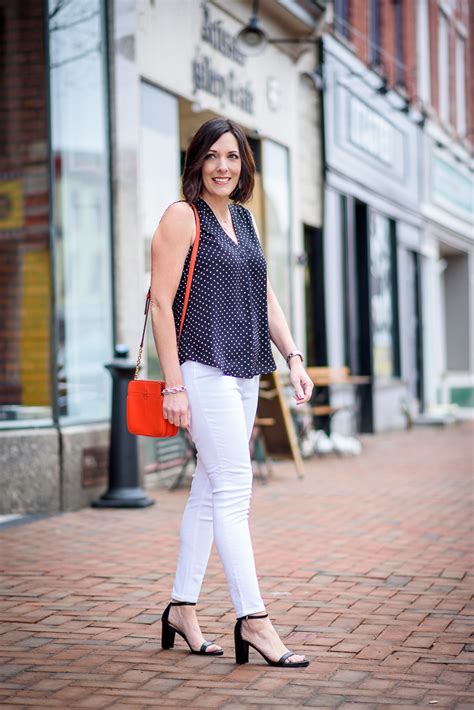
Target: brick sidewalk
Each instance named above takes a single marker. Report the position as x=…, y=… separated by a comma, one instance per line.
x=364, y=567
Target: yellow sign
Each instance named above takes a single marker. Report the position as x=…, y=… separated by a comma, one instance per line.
x=11, y=205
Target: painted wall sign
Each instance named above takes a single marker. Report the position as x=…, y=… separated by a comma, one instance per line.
x=226, y=87
x=451, y=187
x=214, y=34
x=371, y=132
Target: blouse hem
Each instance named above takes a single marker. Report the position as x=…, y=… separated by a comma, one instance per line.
x=225, y=370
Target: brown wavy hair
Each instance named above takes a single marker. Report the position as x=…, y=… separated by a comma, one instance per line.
x=203, y=139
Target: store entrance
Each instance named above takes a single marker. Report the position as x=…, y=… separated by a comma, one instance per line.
x=457, y=323
x=413, y=325
x=356, y=298
x=316, y=345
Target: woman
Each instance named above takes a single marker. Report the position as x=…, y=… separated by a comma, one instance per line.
x=212, y=378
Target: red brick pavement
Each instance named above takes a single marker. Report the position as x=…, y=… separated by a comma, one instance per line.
x=364, y=566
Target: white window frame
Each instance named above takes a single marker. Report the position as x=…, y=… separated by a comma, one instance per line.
x=460, y=85
x=443, y=67
x=423, y=47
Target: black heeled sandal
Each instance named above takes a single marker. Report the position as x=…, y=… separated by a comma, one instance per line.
x=169, y=632
x=242, y=648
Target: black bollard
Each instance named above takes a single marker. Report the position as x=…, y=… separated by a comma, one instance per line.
x=123, y=490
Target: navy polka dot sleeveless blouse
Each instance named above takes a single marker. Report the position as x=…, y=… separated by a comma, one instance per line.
x=226, y=323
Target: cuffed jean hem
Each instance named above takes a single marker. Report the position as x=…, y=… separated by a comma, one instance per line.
x=261, y=609
x=177, y=598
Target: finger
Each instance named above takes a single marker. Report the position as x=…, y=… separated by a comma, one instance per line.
x=299, y=394
x=175, y=418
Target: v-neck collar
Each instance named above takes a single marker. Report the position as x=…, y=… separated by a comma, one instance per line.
x=235, y=243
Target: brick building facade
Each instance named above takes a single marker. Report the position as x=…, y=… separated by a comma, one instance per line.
x=403, y=80
x=383, y=35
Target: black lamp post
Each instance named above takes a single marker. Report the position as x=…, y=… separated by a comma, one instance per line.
x=123, y=489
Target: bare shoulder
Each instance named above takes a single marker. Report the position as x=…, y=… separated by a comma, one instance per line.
x=177, y=221
x=179, y=213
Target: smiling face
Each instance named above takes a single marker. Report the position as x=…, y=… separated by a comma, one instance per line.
x=221, y=167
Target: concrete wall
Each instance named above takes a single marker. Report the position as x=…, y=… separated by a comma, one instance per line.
x=75, y=494
x=41, y=473
x=29, y=471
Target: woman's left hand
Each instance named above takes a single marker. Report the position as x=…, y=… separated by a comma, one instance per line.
x=302, y=383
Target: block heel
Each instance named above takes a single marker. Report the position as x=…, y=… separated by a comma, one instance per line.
x=168, y=633
x=242, y=648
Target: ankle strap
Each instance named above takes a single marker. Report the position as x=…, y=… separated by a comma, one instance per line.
x=183, y=603
x=251, y=616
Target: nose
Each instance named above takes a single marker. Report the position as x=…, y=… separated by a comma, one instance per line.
x=222, y=164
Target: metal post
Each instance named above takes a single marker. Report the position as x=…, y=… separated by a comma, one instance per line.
x=123, y=490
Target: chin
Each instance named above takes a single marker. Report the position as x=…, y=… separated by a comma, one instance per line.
x=221, y=191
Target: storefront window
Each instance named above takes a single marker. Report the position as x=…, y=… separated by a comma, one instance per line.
x=383, y=298
x=276, y=188
x=25, y=280
x=81, y=208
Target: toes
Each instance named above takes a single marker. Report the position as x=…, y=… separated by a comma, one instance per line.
x=213, y=647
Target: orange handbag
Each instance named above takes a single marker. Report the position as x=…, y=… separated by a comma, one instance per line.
x=144, y=397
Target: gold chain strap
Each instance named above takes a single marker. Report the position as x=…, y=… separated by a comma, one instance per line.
x=139, y=362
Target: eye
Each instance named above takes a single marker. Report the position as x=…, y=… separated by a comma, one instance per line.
x=234, y=155
x=209, y=155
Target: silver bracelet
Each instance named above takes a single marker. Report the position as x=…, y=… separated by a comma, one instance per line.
x=173, y=390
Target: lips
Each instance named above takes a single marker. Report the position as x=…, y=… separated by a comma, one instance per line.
x=221, y=181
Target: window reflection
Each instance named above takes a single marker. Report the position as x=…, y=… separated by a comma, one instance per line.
x=382, y=305
x=159, y=179
x=25, y=280
x=277, y=216
x=80, y=207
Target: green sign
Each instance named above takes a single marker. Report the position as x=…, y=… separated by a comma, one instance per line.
x=450, y=185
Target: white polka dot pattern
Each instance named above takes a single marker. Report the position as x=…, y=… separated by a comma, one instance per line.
x=226, y=323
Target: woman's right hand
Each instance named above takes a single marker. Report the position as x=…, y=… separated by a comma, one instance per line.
x=176, y=409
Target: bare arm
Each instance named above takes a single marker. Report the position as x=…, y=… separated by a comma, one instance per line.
x=280, y=334
x=169, y=248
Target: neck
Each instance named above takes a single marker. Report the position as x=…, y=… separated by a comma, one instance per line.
x=219, y=205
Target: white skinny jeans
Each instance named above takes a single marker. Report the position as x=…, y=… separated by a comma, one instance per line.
x=223, y=411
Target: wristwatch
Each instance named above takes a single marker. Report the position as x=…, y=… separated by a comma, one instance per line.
x=292, y=354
